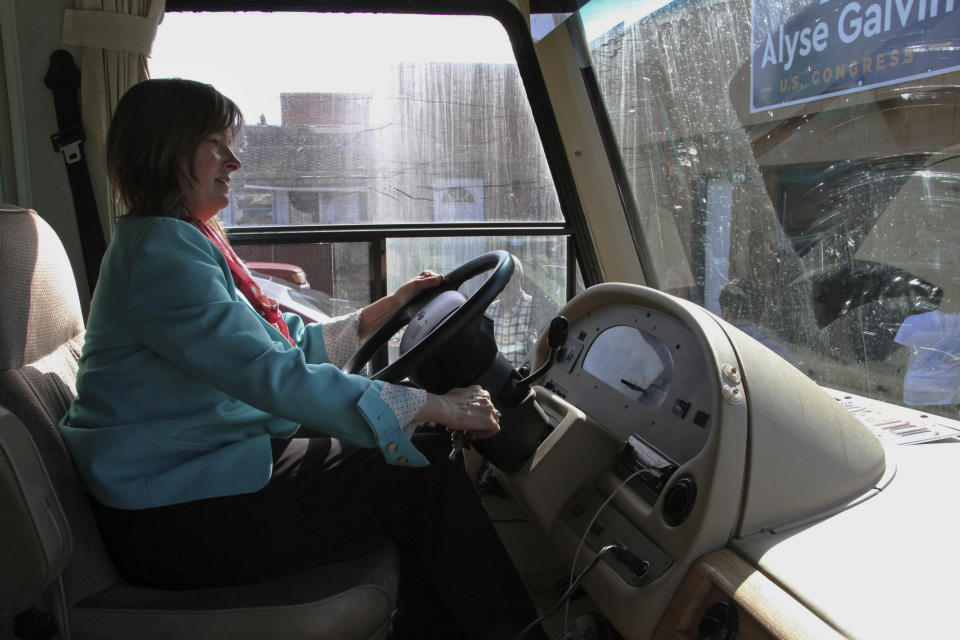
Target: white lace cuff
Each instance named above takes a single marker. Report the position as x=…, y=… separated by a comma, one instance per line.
x=405, y=402
x=341, y=338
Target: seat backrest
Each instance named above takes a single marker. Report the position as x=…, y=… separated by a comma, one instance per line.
x=36, y=537
x=41, y=334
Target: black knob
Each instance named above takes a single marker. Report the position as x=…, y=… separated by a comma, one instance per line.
x=679, y=500
x=557, y=335
x=719, y=622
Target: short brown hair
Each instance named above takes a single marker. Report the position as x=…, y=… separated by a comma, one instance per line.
x=157, y=125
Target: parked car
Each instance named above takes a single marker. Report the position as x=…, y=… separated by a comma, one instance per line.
x=284, y=271
x=309, y=304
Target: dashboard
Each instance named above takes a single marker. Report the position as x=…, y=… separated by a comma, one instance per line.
x=669, y=435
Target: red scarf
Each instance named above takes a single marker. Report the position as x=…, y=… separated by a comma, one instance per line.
x=265, y=306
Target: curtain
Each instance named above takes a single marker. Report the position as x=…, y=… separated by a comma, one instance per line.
x=115, y=37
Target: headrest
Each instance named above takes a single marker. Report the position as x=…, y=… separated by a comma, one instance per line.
x=39, y=305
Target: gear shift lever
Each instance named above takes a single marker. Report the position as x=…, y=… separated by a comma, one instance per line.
x=556, y=338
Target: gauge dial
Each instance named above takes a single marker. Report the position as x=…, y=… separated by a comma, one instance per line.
x=634, y=362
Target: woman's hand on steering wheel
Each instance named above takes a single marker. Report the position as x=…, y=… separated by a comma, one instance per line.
x=435, y=316
x=376, y=313
x=467, y=409
x=412, y=288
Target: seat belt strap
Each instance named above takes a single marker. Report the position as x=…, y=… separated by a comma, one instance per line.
x=60, y=608
x=63, y=79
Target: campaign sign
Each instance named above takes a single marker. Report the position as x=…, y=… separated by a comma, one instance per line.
x=832, y=47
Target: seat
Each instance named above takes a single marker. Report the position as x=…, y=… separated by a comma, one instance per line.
x=51, y=541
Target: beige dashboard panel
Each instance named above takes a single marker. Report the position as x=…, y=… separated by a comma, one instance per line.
x=573, y=485
x=772, y=450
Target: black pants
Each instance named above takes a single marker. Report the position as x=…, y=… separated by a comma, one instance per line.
x=323, y=503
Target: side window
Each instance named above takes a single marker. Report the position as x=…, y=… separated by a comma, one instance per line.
x=356, y=123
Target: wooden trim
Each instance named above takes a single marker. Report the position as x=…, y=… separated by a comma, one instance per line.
x=765, y=610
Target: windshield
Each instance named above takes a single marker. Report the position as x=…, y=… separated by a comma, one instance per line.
x=802, y=157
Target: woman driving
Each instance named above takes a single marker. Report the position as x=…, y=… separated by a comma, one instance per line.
x=218, y=437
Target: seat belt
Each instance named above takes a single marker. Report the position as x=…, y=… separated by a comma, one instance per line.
x=63, y=78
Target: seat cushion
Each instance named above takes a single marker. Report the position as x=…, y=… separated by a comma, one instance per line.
x=322, y=603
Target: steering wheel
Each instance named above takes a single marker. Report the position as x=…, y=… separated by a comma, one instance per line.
x=435, y=316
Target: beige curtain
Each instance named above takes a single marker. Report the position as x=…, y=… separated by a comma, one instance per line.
x=115, y=37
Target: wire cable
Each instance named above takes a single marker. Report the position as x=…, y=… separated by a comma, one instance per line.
x=586, y=532
x=574, y=583
x=569, y=592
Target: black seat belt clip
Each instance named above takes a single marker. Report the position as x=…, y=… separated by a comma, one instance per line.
x=69, y=143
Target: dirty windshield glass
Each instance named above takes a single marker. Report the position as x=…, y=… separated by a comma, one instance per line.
x=802, y=158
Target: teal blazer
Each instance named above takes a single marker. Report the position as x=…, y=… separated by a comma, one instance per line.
x=182, y=385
